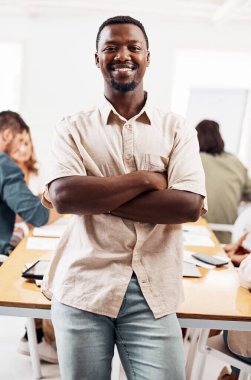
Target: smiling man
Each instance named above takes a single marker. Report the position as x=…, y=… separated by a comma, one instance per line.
x=130, y=174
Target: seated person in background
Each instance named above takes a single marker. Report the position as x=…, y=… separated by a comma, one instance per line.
x=24, y=157
x=227, y=181
x=16, y=198
x=239, y=342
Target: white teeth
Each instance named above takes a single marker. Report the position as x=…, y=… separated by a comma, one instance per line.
x=123, y=69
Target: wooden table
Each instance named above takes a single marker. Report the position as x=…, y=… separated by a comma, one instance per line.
x=22, y=298
x=17, y=295
x=213, y=301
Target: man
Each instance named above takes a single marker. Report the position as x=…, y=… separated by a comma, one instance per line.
x=15, y=197
x=130, y=174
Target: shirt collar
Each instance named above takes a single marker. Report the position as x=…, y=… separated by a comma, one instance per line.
x=145, y=115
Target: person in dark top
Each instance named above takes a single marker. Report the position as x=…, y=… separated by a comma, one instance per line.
x=15, y=197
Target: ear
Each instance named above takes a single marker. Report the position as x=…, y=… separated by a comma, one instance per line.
x=7, y=136
x=97, y=60
x=148, y=58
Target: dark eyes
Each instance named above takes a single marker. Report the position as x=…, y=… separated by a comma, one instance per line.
x=109, y=49
x=112, y=49
x=135, y=48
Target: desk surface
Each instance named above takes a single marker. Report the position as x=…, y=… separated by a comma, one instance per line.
x=215, y=296
x=15, y=291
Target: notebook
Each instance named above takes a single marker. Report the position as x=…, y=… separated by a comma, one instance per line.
x=190, y=270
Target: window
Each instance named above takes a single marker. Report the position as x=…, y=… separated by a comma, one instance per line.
x=215, y=85
x=10, y=75
x=226, y=106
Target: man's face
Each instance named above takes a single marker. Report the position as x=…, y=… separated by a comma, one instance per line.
x=122, y=56
x=15, y=142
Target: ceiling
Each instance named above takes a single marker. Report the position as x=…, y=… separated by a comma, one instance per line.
x=212, y=11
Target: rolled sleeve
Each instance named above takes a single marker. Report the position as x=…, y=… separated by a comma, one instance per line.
x=185, y=170
x=65, y=159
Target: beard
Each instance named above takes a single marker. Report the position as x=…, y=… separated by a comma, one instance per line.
x=123, y=87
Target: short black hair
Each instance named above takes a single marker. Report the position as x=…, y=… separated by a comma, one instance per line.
x=121, y=20
x=12, y=120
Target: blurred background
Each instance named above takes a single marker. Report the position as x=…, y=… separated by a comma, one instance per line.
x=200, y=61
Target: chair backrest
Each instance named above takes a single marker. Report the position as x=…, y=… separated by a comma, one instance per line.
x=215, y=347
x=242, y=225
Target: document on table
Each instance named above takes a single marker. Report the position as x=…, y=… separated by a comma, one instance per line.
x=197, y=240
x=55, y=229
x=49, y=231
x=190, y=270
x=196, y=230
x=47, y=244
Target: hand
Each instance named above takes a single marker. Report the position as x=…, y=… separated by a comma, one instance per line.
x=236, y=252
x=237, y=258
x=157, y=181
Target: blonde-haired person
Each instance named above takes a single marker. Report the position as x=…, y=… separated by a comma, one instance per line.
x=24, y=157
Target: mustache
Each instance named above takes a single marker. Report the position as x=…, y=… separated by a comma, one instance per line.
x=112, y=66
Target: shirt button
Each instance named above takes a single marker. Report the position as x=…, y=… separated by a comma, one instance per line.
x=128, y=157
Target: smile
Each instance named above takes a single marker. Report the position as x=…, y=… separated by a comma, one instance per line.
x=122, y=69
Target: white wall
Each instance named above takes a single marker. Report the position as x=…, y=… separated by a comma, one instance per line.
x=60, y=76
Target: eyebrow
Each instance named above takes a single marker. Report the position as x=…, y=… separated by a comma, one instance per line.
x=117, y=42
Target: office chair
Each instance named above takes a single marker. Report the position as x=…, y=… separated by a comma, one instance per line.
x=215, y=347
x=241, y=225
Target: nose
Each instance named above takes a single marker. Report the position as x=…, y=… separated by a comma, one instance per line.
x=123, y=54
x=22, y=149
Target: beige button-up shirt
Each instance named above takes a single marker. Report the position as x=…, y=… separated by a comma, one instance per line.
x=96, y=256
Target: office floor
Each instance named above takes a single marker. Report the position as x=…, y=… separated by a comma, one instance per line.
x=18, y=367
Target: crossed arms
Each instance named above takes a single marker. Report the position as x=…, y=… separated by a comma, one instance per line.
x=140, y=196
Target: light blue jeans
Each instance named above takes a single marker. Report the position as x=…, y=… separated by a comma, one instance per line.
x=149, y=348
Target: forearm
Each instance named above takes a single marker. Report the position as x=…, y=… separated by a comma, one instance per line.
x=162, y=207
x=96, y=195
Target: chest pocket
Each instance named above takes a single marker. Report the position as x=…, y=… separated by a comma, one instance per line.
x=151, y=162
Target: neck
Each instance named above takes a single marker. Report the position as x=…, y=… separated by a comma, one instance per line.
x=22, y=166
x=127, y=104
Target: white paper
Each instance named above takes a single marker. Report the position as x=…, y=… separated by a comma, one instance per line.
x=198, y=240
x=188, y=258
x=190, y=270
x=42, y=243
x=49, y=231
x=55, y=229
x=195, y=230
